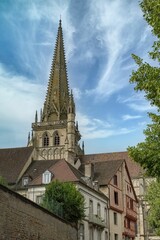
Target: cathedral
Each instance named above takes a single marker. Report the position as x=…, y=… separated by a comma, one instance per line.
x=55, y=135
x=108, y=181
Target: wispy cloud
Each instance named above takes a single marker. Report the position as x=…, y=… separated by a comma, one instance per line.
x=130, y=117
x=116, y=37
x=19, y=100
x=98, y=38
x=98, y=129
x=137, y=102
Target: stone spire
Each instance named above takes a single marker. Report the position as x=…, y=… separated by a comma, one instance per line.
x=57, y=97
x=55, y=135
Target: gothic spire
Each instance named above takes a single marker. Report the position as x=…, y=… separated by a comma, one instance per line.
x=56, y=102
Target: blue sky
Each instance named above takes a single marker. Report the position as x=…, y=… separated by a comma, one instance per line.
x=99, y=38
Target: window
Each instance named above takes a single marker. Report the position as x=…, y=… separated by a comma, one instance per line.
x=115, y=218
x=131, y=204
x=115, y=236
x=56, y=139
x=98, y=234
x=115, y=182
x=81, y=231
x=105, y=215
x=128, y=223
x=90, y=207
x=91, y=233
x=116, y=198
x=46, y=178
x=98, y=210
x=25, y=181
x=106, y=235
x=45, y=140
x=39, y=199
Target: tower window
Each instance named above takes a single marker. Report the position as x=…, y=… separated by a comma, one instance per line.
x=56, y=139
x=45, y=140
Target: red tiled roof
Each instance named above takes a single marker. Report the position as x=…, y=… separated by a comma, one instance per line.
x=12, y=161
x=133, y=167
x=61, y=170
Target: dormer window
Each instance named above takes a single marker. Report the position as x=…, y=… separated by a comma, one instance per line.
x=46, y=177
x=56, y=139
x=45, y=140
x=25, y=181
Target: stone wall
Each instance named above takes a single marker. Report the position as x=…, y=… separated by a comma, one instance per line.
x=22, y=219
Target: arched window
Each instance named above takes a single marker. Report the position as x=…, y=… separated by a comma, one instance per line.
x=56, y=139
x=45, y=140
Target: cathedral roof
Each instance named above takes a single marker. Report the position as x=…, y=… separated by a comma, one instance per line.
x=134, y=168
x=12, y=161
x=56, y=102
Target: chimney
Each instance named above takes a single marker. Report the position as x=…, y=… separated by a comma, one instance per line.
x=89, y=170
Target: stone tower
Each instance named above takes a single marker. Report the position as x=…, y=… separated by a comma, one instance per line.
x=55, y=135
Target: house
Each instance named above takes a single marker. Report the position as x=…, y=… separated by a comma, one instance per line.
x=33, y=182
x=114, y=181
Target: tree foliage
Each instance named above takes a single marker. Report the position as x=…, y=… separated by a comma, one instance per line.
x=64, y=200
x=147, y=78
x=153, y=199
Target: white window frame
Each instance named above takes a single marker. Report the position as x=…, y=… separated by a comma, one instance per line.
x=46, y=177
x=25, y=181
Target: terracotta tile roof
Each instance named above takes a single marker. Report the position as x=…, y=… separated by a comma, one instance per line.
x=134, y=168
x=12, y=161
x=104, y=171
x=61, y=170
x=38, y=167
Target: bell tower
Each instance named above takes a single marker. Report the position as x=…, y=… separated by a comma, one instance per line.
x=55, y=134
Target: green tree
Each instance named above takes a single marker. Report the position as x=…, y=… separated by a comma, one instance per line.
x=153, y=199
x=64, y=200
x=147, y=78
x=3, y=181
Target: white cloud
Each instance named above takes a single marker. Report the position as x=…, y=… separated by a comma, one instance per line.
x=96, y=128
x=19, y=99
x=142, y=107
x=77, y=93
x=130, y=117
x=137, y=102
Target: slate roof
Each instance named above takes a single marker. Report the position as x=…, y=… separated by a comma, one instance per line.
x=12, y=161
x=104, y=171
x=134, y=168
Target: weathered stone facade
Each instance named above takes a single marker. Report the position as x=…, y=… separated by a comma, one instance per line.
x=22, y=219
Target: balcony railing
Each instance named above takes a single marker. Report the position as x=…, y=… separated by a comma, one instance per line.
x=130, y=233
x=96, y=220
x=131, y=213
x=53, y=123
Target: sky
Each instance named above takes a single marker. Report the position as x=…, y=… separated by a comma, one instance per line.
x=99, y=38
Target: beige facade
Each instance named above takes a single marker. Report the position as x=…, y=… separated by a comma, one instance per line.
x=96, y=222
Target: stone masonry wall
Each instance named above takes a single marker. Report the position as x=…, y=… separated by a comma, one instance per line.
x=21, y=219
